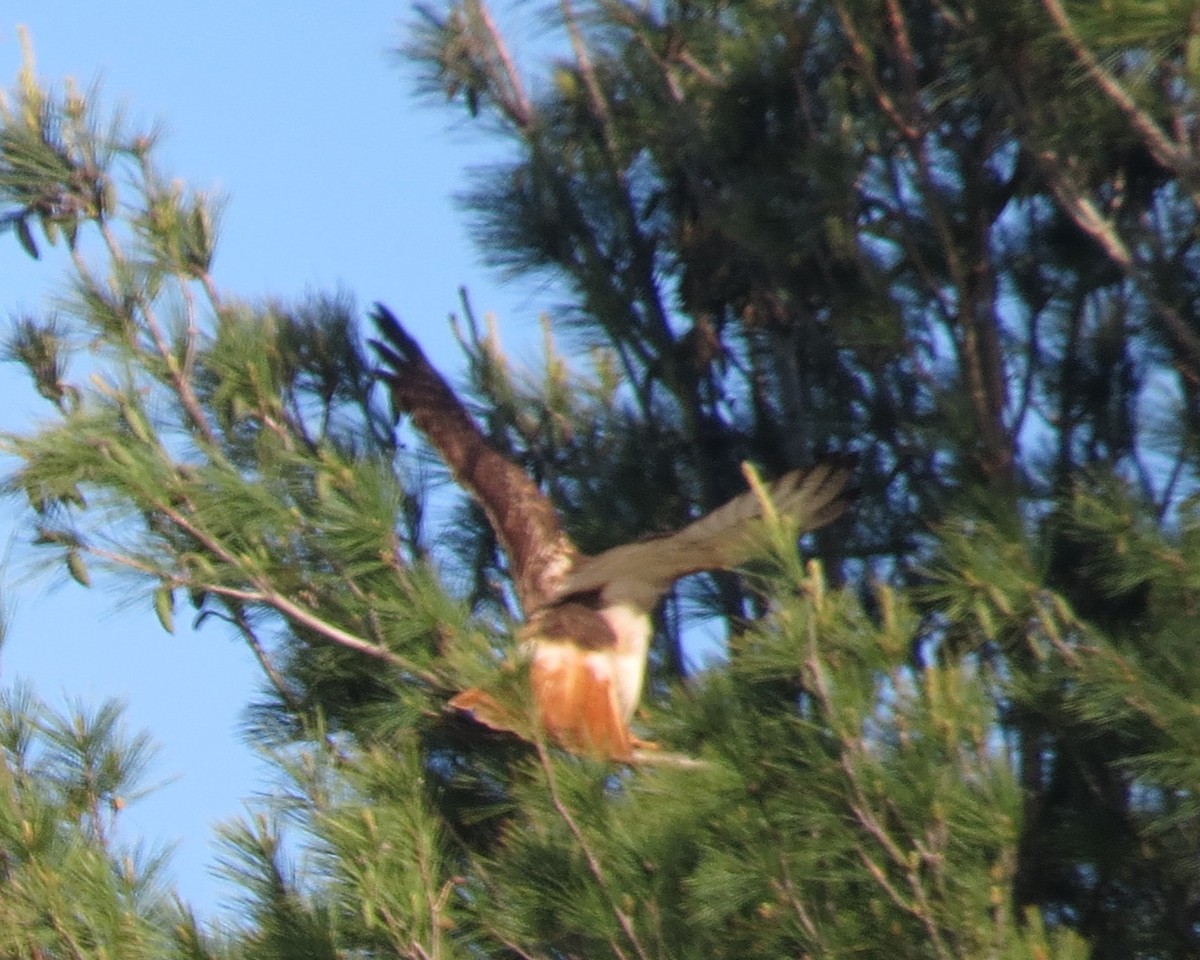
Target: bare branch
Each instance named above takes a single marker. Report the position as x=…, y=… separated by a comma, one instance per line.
x=514, y=100
x=866, y=69
x=1088, y=218
x=1161, y=146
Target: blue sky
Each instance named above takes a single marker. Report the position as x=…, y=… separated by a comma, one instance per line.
x=336, y=178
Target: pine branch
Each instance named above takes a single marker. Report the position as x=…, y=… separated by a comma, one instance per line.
x=853, y=748
x=1087, y=215
x=514, y=99
x=238, y=618
x=1167, y=153
x=865, y=62
x=593, y=862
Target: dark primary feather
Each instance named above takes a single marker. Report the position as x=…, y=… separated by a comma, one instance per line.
x=546, y=566
x=523, y=517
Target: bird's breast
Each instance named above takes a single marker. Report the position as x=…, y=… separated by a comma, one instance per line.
x=632, y=629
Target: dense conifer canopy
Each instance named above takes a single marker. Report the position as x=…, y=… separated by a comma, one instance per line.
x=956, y=239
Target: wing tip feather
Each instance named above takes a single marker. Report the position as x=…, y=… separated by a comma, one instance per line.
x=819, y=494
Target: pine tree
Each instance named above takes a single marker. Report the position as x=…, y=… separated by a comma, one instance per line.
x=70, y=886
x=956, y=239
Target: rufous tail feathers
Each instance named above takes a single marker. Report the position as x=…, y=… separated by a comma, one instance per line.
x=577, y=701
x=577, y=706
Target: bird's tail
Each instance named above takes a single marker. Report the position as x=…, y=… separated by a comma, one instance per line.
x=576, y=708
x=577, y=701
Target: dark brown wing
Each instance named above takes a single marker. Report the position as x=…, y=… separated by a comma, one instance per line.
x=524, y=519
x=639, y=573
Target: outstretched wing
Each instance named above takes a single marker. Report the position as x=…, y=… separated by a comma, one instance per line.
x=524, y=519
x=640, y=572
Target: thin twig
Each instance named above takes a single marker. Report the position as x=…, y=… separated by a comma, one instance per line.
x=1164, y=150
x=587, y=71
x=238, y=618
x=192, y=333
x=862, y=55
x=181, y=383
x=921, y=908
x=1088, y=218
x=516, y=102
x=267, y=596
x=210, y=289
x=593, y=862
x=797, y=903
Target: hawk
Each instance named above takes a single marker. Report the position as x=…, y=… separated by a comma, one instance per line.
x=587, y=623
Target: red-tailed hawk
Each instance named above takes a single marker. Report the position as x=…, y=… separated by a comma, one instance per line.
x=587, y=618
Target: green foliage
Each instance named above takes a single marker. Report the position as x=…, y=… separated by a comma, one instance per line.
x=281, y=922
x=228, y=453
x=830, y=772
x=1116, y=690
x=70, y=888
x=958, y=239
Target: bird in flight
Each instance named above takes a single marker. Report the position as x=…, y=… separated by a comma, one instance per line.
x=587, y=622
